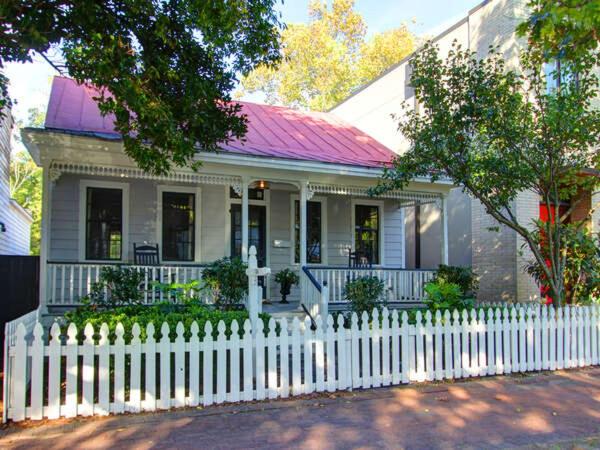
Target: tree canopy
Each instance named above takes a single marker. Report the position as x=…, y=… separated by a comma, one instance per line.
x=498, y=134
x=563, y=29
x=25, y=181
x=326, y=59
x=165, y=68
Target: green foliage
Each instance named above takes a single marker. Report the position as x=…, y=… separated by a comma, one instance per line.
x=442, y=295
x=26, y=189
x=365, y=293
x=286, y=279
x=157, y=314
x=228, y=281
x=581, y=254
x=117, y=286
x=482, y=126
x=462, y=276
x=25, y=180
x=325, y=60
x=165, y=68
x=563, y=29
x=181, y=292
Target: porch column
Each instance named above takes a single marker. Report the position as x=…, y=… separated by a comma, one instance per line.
x=444, y=217
x=245, y=183
x=303, y=200
x=47, y=186
x=403, y=237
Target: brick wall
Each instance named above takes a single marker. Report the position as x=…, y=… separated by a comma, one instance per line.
x=493, y=256
x=582, y=208
x=596, y=214
x=527, y=207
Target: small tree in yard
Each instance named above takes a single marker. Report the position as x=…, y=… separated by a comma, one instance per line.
x=498, y=133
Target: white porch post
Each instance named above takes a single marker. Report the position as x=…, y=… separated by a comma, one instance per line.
x=47, y=186
x=302, y=207
x=303, y=200
x=444, y=212
x=245, y=183
x=403, y=237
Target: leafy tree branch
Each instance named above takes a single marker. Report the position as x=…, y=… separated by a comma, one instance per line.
x=165, y=68
x=499, y=133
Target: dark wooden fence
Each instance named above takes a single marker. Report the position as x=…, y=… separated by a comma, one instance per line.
x=19, y=287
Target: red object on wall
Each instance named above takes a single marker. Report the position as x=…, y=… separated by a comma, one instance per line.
x=546, y=215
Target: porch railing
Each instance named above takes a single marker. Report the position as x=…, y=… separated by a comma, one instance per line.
x=402, y=285
x=315, y=294
x=69, y=282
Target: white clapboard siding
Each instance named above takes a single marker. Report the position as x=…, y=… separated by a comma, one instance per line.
x=96, y=372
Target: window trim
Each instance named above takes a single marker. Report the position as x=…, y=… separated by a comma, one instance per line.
x=197, y=191
x=324, y=247
x=380, y=205
x=124, y=187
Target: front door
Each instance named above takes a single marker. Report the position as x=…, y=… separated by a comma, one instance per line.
x=257, y=233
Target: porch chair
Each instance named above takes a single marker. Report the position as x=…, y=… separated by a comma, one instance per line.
x=357, y=260
x=145, y=255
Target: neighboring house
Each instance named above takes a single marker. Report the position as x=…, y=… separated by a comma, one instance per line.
x=15, y=221
x=296, y=189
x=496, y=256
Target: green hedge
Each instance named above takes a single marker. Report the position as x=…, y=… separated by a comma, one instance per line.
x=157, y=314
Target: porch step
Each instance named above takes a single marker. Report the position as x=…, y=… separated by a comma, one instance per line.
x=284, y=310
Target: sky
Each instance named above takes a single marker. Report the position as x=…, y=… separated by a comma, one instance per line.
x=30, y=83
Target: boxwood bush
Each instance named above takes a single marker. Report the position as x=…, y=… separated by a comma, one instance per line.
x=157, y=314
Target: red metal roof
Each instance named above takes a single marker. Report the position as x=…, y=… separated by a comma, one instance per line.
x=273, y=131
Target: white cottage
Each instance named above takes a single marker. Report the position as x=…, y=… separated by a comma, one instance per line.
x=296, y=189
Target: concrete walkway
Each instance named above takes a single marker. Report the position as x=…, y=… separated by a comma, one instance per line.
x=560, y=409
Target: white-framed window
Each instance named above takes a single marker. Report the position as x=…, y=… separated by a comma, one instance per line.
x=367, y=229
x=103, y=220
x=558, y=74
x=316, y=230
x=178, y=223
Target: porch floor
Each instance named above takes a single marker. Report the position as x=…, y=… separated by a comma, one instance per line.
x=288, y=310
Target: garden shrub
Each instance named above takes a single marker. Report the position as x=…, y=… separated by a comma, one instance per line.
x=116, y=286
x=442, y=295
x=464, y=277
x=228, y=281
x=182, y=293
x=365, y=293
x=581, y=275
x=157, y=314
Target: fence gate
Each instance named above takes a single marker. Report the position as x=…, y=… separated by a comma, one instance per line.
x=19, y=284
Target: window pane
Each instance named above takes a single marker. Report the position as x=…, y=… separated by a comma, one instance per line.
x=253, y=194
x=104, y=215
x=313, y=237
x=178, y=230
x=366, y=233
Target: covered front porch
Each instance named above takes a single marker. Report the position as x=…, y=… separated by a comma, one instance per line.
x=311, y=227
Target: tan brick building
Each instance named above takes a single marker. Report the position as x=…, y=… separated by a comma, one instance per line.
x=495, y=252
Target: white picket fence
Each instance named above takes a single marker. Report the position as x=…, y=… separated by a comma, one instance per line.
x=102, y=375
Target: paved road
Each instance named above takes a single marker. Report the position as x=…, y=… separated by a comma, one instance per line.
x=535, y=411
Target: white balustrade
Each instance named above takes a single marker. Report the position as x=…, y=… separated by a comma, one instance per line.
x=68, y=283
x=403, y=285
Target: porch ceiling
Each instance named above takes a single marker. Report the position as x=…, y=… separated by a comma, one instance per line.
x=406, y=198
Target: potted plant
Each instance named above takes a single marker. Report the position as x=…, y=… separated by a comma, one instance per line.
x=286, y=279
